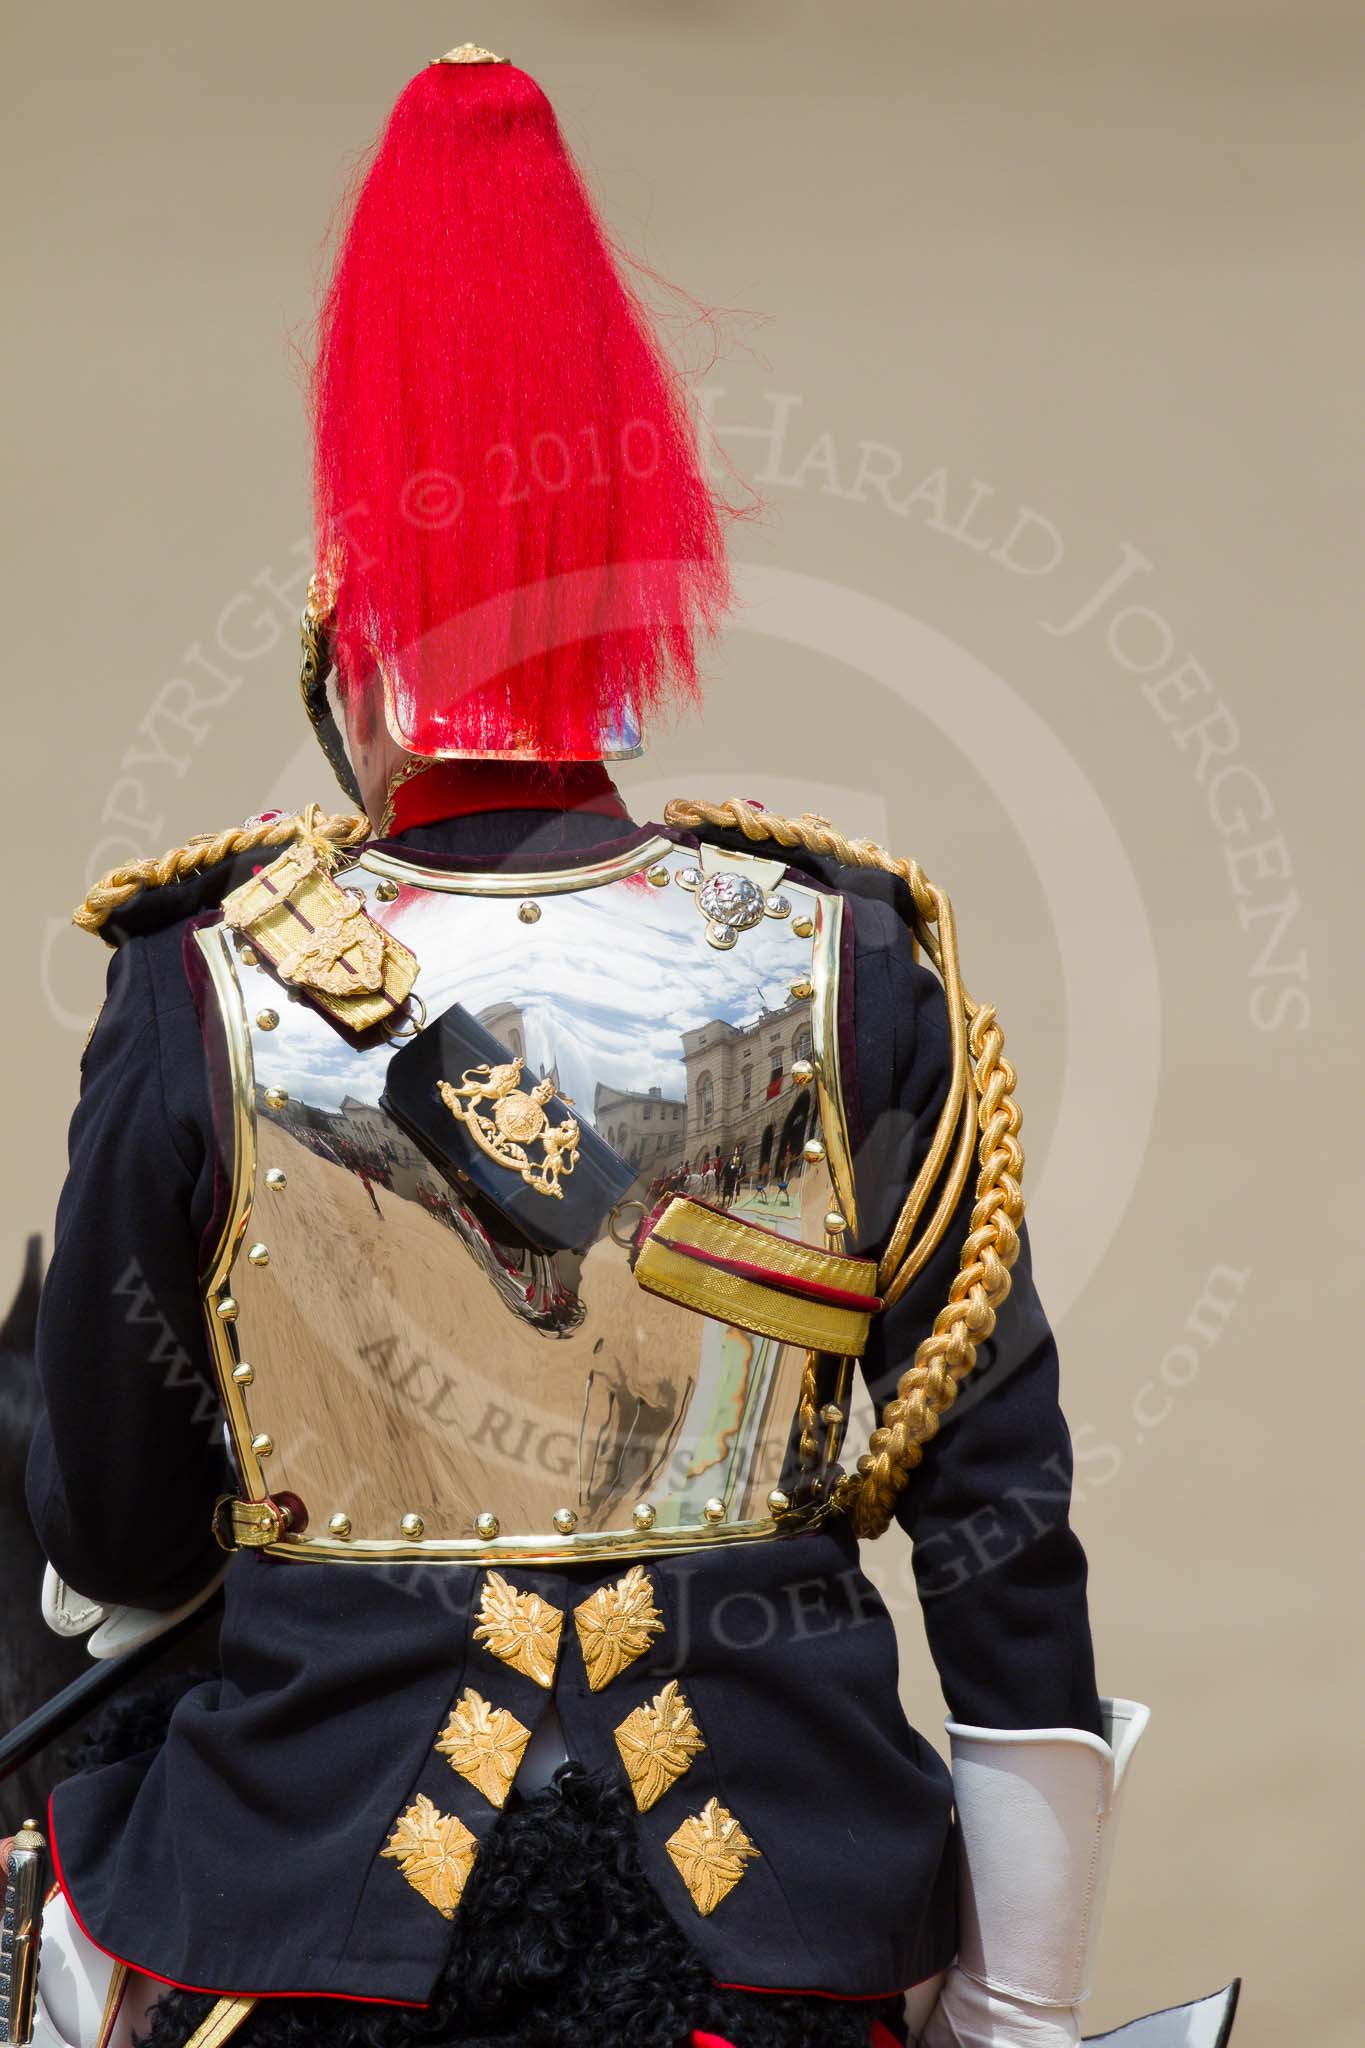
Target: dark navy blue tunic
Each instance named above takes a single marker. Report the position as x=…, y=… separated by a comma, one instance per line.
x=243, y=1854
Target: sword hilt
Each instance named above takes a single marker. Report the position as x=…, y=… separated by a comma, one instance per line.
x=20, y=1933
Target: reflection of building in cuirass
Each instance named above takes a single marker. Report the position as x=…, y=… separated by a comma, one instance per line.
x=356, y=1133
x=644, y=1126
x=368, y=1131
x=508, y=1026
x=740, y=1089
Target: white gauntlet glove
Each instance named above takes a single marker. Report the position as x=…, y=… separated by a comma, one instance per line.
x=1037, y=1810
x=969, y=2016
x=117, y=1630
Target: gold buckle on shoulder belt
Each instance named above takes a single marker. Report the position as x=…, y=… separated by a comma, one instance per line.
x=249, y=1524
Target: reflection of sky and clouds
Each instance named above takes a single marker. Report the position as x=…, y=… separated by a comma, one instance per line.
x=607, y=981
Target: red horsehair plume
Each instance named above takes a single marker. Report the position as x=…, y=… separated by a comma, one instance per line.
x=506, y=472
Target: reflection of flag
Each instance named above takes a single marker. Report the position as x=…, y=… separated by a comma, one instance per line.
x=774, y=1086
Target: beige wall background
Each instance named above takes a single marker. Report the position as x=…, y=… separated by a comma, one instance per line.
x=1102, y=263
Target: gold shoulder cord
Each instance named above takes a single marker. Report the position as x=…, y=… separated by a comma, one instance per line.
x=330, y=835
x=979, y=1114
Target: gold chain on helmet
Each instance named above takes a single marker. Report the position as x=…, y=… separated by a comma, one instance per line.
x=330, y=835
x=979, y=1115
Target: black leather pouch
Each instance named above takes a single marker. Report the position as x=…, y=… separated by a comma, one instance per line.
x=492, y=1126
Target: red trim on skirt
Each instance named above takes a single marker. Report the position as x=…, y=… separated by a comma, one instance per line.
x=206, y=1990
x=880, y=2037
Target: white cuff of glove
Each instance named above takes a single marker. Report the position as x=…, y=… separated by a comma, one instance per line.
x=970, y=2016
x=1037, y=1811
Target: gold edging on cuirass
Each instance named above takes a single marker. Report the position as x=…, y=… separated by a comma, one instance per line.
x=215, y=946
x=824, y=1032
x=528, y=882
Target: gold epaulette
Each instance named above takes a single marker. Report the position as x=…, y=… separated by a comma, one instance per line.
x=979, y=1119
x=118, y=888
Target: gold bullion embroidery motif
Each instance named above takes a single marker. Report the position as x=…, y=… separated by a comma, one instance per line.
x=317, y=960
x=710, y=1850
x=520, y=1628
x=318, y=936
x=657, y=1744
x=615, y=1626
x=435, y=1852
x=485, y=1744
x=518, y=1120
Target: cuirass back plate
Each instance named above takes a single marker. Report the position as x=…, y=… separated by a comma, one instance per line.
x=414, y=1374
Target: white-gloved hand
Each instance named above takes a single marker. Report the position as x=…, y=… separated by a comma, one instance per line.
x=1037, y=1810
x=117, y=1630
x=969, y=2016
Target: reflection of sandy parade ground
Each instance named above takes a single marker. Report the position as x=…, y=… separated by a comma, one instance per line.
x=781, y=1213
x=414, y=1365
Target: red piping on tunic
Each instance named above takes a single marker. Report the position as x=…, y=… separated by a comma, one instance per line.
x=840, y=1997
x=206, y=1990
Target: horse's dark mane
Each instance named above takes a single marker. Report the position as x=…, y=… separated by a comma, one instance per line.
x=18, y=1381
x=34, y=1663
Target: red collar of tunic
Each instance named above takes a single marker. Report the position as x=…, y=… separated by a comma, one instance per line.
x=460, y=789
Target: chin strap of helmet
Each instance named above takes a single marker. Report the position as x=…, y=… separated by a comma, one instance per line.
x=979, y=1116
x=315, y=630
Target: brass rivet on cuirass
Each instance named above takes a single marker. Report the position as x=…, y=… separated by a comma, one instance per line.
x=267, y=1019
x=339, y=1525
x=486, y=1526
x=565, y=1520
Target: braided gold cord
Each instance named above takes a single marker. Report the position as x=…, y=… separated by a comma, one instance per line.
x=117, y=889
x=979, y=1113
x=990, y=1248
x=805, y=1407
